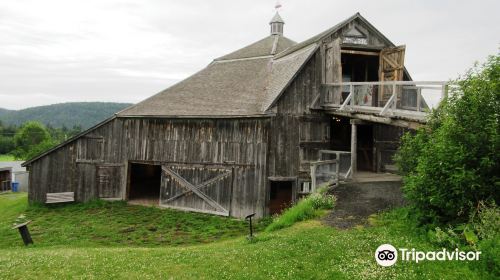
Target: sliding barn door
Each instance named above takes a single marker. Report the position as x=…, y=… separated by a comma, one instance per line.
x=333, y=71
x=199, y=188
x=391, y=68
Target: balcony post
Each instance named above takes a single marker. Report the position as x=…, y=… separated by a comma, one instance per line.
x=395, y=102
x=351, y=92
x=354, y=144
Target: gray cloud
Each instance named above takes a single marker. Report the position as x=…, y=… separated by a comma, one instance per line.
x=60, y=50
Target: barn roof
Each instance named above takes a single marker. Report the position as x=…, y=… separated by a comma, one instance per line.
x=270, y=45
x=242, y=83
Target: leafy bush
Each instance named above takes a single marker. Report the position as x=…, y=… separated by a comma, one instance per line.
x=453, y=163
x=489, y=262
x=482, y=233
x=487, y=223
x=307, y=208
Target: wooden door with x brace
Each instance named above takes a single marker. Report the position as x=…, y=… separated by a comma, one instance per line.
x=205, y=188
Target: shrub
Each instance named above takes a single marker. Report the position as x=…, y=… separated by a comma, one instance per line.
x=320, y=201
x=489, y=262
x=453, y=162
x=487, y=225
x=482, y=233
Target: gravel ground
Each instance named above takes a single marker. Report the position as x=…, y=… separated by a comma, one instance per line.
x=357, y=201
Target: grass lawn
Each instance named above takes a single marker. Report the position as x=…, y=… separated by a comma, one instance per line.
x=92, y=241
x=101, y=223
x=7, y=158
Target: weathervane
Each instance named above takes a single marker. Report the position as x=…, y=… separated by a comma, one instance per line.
x=278, y=5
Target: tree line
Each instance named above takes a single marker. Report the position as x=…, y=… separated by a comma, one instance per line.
x=32, y=138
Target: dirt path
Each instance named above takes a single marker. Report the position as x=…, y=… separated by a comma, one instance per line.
x=357, y=201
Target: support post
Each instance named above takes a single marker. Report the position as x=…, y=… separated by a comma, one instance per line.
x=353, y=97
x=395, y=94
x=419, y=98
x=313, y=177
x=337, y=168
x=354, y=144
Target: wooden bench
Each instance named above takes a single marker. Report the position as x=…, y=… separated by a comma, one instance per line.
x=60, y=197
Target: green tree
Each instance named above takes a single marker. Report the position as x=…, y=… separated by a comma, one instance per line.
x=453, y=163
x=31, y=139
x=7, y=144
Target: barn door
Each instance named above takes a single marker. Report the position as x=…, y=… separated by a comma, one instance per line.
x=109, y=181
x=333, y=71
x=391, y=68
x=200, y=188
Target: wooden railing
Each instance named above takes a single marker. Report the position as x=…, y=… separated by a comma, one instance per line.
x=411, y=99
x=332, y=167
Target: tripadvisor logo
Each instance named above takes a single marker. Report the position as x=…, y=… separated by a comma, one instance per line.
x=387, y=255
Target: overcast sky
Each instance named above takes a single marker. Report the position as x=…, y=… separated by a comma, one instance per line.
x=56, y=51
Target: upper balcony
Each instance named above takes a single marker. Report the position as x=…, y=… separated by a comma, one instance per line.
x=385, y=102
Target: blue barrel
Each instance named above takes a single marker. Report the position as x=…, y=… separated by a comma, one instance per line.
x=15, y=186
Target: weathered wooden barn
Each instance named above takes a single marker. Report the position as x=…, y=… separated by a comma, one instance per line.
x=253, y=130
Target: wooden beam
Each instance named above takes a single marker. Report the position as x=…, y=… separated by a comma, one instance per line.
x=360, y=52
x=200, y=186
x=382, y=120
x=357, y=121
x=281, y=179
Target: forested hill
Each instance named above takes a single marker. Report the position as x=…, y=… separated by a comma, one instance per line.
x=84, y=114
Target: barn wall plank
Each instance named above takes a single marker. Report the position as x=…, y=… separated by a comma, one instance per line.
x=78, y=165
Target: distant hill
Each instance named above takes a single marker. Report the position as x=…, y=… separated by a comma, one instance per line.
x=4, y=111
x=85, y=114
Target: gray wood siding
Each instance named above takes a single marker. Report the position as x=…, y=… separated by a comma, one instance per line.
x=241, y=143
x=297, y=132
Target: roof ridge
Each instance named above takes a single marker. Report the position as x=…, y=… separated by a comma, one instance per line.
x=268, y=45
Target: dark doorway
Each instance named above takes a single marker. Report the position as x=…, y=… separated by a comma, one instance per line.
x=341, y=134
x=341, y=141
x=359, y=68
x=145, y=182
x=281, y=196
x=365, y=148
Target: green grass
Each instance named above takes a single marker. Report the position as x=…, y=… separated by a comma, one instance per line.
x=306, y=209
x=7, y=158
x=306, y=250
x=101, y=223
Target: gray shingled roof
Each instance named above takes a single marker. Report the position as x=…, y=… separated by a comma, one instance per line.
x=242, y=87
x=268, y=46
x=223, y=88
x=242, y=83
